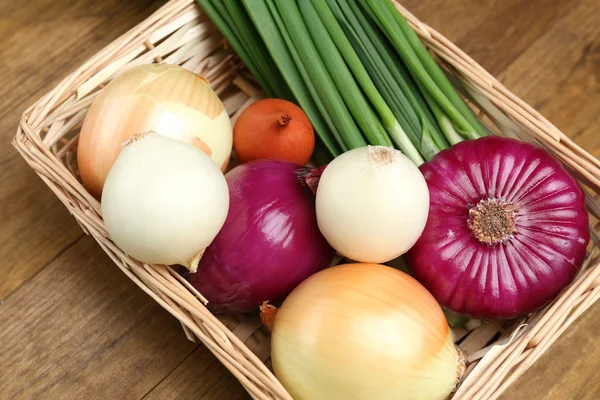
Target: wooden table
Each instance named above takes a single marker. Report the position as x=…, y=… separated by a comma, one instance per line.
x=73, y=326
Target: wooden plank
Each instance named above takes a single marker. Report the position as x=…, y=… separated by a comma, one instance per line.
x=505, y=34
x=39, y=45
x=201, y=376
x=35, y=225
x=448, y=16
x=588, y=137
x=81, y=329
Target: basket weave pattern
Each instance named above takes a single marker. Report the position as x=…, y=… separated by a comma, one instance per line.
x=179, y=33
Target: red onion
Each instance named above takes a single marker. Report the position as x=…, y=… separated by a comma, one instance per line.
x=270, y=241
x=507, y=228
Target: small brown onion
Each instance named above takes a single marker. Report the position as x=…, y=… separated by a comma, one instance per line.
x=163, y=98
x=273, y=128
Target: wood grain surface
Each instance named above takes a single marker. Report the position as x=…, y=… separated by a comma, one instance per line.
x=72, y=326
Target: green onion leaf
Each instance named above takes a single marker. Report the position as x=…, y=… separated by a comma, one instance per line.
x=326, y=91
x=390, y=76
x=420, y=63
x=353, y=61
x=256, y=49
x=342, y=77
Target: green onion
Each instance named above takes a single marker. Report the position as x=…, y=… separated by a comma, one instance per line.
x=342, y=77
x=233, y=40
x=391, y=78
x=355, y=67
x=362, y=76
x=422, y=66
x=436, y=72
x=256, y=49
x=309, y=57
x=444, y=122
x=306, y=78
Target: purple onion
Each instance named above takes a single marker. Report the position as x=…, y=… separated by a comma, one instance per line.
x=507, y=228
x=270, y=241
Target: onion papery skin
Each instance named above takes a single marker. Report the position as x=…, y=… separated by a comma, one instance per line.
x=528, y=267
x=270, y=241
x=363, y=331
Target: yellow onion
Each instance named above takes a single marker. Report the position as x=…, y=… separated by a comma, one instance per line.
x=163, y=98
x=363, y=331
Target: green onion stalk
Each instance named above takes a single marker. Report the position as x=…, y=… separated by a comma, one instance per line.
x=423, y=67
x=331, y=34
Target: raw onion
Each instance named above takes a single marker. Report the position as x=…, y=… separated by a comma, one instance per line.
x=363, y=331
x=372, y=204
x=273, y=128
x=507, y=228
x=164, y=201
x=270, y=241
x=163, y=98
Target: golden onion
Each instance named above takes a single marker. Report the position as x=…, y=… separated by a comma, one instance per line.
x=163, y=98
x=363, y=331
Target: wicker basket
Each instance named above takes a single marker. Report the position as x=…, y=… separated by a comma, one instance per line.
x=180, y=33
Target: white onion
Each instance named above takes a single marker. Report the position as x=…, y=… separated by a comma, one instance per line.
x=372, y=204
x=164, y=201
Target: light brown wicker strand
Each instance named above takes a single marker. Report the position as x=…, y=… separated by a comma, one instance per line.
x=48, y=171
x=66, y=109
x=187, y=285
x=534, y=353
x=69, y=147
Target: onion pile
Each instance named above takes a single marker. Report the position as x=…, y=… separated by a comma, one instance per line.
x=270, y=241
x=363, y=331
x=491, y=228
x=507, y=228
